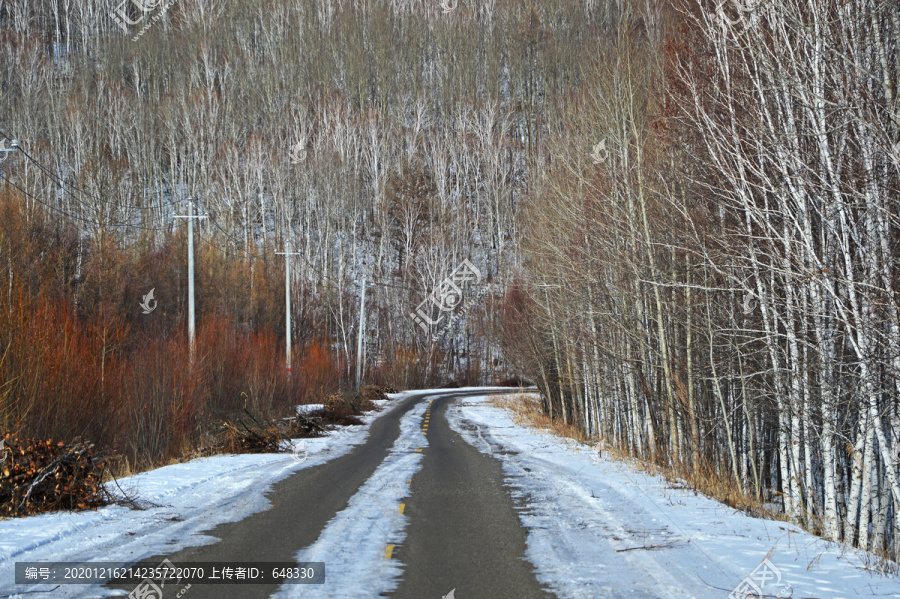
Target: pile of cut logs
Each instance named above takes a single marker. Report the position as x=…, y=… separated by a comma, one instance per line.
x=40, y=476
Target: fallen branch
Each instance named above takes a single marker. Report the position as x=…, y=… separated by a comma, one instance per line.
x=667, y=546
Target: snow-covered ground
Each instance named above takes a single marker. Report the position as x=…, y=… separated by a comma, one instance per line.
x=596, y=528
x=181, y=501
x=599, y=528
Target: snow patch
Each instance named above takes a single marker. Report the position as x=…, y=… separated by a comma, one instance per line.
x=599, y=528
x=182, y=500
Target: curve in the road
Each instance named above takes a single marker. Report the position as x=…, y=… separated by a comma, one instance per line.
x=304, y=503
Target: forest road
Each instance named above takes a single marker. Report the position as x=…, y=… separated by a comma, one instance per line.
x=463, y=533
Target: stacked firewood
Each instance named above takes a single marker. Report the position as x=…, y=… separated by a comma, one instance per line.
x=40, y=476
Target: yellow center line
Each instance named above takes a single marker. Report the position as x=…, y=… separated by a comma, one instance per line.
x=419, y=450
x=388, y=551
x=402, y=507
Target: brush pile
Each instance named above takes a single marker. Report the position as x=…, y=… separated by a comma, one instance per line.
x=240, y=435
x=247, y=433
x=339, y=409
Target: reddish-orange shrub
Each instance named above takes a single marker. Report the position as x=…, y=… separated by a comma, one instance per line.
x=79, y=359
x=319, y=372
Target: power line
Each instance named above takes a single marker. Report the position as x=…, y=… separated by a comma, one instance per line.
x=86, y=220
x=56, y=179
x=65, y=187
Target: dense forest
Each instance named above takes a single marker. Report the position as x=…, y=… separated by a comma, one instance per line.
x=683, y=217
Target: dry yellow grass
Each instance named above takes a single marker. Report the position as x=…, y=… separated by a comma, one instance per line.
x=527, y=411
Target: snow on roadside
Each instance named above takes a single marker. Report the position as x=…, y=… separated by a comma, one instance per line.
x=182, y=500
x=353, y=543
x=599, y=528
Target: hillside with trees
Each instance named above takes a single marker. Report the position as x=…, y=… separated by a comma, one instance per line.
x=683, y=216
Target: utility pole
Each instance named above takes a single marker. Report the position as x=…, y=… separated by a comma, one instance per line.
x=362, y=327
x=287, y=253
x=190, y=216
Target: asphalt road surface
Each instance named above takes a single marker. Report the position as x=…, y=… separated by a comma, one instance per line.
x=463, y=532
